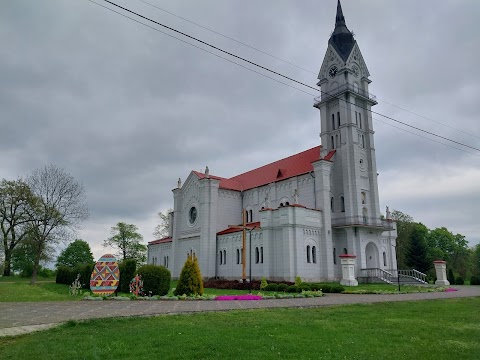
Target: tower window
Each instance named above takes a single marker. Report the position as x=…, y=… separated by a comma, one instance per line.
x=338, y=118
x=342, y=204
x=333, y=143
x=345, y=251
x=332, y=205
x=360, y=120
x=364, y=198
x=363, y=141
x=384, y=259
x=333, y=121
x=308, y=254
x=336, y=140
x=356, y=118
x=335, y=256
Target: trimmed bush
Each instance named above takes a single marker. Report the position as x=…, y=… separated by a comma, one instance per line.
x=304, y=287
x=282, y=287
x=336, y=288
x=298, y=281
x=315, y=287
x=475, y=280
x=263, y=284
x=190, y=281
x=65, y=275
x=127, y=273
x=292, y=289
x=271, y=287
x=459, y=281
x=450, y=276
x=156, y=279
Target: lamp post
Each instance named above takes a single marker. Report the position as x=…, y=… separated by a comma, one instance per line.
x=250, y=246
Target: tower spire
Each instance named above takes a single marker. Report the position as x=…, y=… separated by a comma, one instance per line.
x=339, y=19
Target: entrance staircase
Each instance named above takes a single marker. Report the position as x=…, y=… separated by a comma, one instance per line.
x=404, y=277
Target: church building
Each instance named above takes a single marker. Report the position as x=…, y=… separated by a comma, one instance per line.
x=295, y=216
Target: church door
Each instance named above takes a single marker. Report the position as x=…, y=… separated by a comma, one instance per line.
x=371, y=254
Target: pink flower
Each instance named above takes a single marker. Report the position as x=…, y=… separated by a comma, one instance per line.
x=238, y=297
x=450, y=289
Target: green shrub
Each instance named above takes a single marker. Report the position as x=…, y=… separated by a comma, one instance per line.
x=263, y=284
x=336, y=288
x=156, y=279
x=128, y=270
x=190, y=281
x=326, y=288
x=65, y=275
x=459, y=281
x=46, y=273
x=282, y=287
x=315, y=287
x=475, y=280
x=304, y=287
x=270, y=287
x=450, y=276
x=292, y=289
x=298, y=281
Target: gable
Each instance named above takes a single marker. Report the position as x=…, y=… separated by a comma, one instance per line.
x=331, y=58
x=356, y=57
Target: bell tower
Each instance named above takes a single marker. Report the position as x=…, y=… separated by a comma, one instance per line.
x=346, y=128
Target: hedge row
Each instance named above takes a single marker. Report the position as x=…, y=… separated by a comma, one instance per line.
x=127, y=273
x=67, y=275
x=326, y=288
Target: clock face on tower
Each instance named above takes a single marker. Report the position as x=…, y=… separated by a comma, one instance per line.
x=355, y=70
x=333, y=72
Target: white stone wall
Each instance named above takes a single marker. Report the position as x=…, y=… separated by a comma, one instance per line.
x=158, y=253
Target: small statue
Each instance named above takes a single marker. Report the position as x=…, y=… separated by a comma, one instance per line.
x=387, y=211
x=207, y=172
x=179, y=183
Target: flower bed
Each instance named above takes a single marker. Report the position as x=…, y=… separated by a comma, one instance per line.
x=238, y=297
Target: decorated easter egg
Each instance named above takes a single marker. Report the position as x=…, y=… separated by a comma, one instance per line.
x=105, y=276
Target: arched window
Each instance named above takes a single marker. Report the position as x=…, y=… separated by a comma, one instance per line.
x=333, y=143
x=167, y=262
x=224, y=257
x=342, y=204
x=257, y=255
x=360, y=120
x=363, y=141
x=345, y=251
x=308, y=253
x=336, y=140
x=335, y=256
x=384, y=259
x=251, y=215
x=365, y=213
x=221, y=257
x=246, y=216
x=332, y=205
x=281, y=204
x=338, y=118
x=364, y=198
x=356, y=118
x=333, y=121
x=287, y=203
x=314, y=254
x=238, y=256
x=261, y=254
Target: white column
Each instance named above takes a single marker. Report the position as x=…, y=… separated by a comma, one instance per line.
x=348, y=270
x=440, y=269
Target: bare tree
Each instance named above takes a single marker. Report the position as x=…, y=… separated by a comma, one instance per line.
x=163, y=229
x=60, y=210
x=16, y=203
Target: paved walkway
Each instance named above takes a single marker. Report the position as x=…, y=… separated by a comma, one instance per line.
x=20, y=318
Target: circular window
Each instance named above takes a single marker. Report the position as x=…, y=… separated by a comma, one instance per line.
x=192, y=214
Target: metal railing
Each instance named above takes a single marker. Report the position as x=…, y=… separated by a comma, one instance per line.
x=377, y=273
x=393, y=276
x=343, y=88
x=412, y=274
x=363, y=221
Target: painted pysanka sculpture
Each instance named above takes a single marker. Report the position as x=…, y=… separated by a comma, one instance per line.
x=105, y=276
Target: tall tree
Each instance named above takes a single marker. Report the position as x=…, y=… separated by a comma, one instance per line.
x=405, y=226
x=23, y=257
x=16, y=203
x=417, y=254
x=78, y=252
x=476, y=260
x=126, y=239
x=163, y=229
x=61, y=209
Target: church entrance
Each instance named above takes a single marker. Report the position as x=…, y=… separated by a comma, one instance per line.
x=371, y=254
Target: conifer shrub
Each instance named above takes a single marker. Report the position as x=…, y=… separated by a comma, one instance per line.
x=127, y=273
x=450, y=276
x=298, y=281
x=190, y=281
x=459, y=281
x=282, y=287
x=475, y=280
x=156, y=279
x=271, y=287
x=263, y=283
x=292, y=289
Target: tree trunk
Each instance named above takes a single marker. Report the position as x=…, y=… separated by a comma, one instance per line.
x=35, y=265
x=8, y=262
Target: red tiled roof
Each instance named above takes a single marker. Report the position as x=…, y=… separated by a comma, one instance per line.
x=235, y=229
x=294, y=165
x=160, y=241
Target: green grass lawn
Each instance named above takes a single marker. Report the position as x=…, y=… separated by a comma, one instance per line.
x=24, y=292
x=440, y=329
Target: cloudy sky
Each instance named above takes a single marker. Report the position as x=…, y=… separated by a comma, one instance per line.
x=127, y=110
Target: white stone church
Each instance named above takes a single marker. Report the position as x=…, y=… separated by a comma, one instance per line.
x=305, y=210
